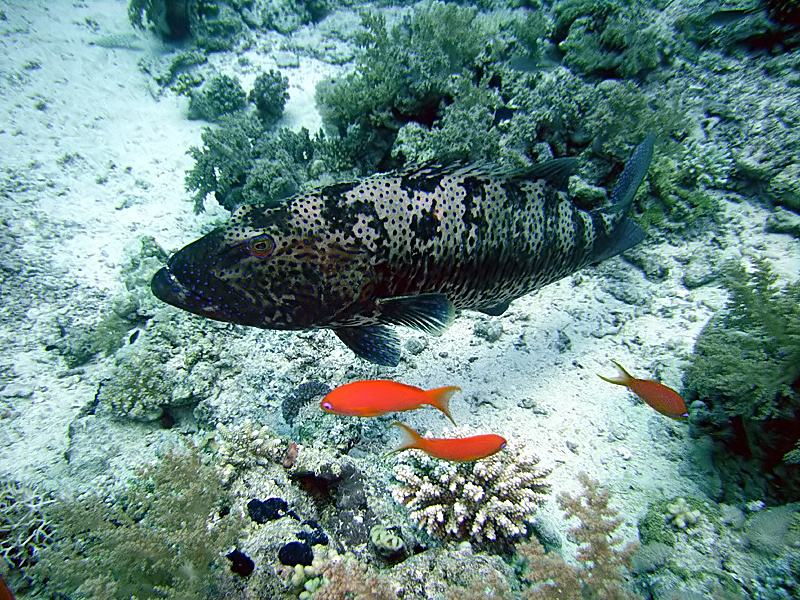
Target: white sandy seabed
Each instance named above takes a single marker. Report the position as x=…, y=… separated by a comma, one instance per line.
x=92, y=161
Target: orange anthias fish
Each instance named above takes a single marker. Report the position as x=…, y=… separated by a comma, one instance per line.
x=663, y=399
x=378, y=397
x=5, y=593
x=456, y=450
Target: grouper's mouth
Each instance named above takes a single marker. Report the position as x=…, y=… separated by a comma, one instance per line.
x=188, y=282
x=168, y=288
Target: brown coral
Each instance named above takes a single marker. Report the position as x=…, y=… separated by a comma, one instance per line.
x=344, y=577
x=602, y=562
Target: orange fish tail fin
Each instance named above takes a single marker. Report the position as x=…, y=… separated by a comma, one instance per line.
x=440, y=398
x=408, y=438
x=624, y=378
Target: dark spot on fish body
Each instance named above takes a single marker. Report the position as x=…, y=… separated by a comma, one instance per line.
x=474, y=214
x=426, y=226
x=421, y=182
x=256, y=217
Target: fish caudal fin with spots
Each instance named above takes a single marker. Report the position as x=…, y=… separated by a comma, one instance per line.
x=628, y=233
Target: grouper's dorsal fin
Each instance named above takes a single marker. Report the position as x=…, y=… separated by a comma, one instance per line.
x=376, y=343
x=556, y=171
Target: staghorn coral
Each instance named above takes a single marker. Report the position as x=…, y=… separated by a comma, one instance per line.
x=602, y=560
x=485, y=500
x=24, y=529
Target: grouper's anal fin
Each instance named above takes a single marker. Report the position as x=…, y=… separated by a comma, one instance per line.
x=432, y=313
x=376, y=343
x=496, y=310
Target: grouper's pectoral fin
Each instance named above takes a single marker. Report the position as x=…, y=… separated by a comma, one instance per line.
x=431, y=313
x=376, y=343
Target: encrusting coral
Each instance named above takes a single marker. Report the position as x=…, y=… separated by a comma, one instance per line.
x=248, y=444
x=332, y=576
x=485, y=500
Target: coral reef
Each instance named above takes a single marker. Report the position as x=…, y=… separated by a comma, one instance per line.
x=148, y=378
x=161, y=537
x=727, y=553
x=744, y=379
x=666, y=518
x=24, y=528
x=602, y=560
x=220, y=96
x=483, y=501
x=247, y=445
x=269, y=95
x=342, y=576
x=609, y=39
x=403, y=76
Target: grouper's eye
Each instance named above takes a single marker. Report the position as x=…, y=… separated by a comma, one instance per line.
x=261, y=246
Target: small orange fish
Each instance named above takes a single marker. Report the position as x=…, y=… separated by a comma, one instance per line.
x=378, y=397
x=5, y=592
x=456, y=450
x=663, y=399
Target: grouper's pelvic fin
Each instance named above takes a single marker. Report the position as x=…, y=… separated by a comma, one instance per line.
x=431, y=313
x=627, y=233
x=376, y=343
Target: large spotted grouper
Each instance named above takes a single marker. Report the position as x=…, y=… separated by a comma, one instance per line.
x=409, y=248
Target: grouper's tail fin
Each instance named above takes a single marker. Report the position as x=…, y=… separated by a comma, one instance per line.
x=626, y=233
x=633, y=175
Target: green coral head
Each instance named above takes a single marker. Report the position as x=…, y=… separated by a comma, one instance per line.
x=386, y=540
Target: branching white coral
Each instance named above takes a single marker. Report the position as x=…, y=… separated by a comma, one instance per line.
x=24, y=530
x=489, y=499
